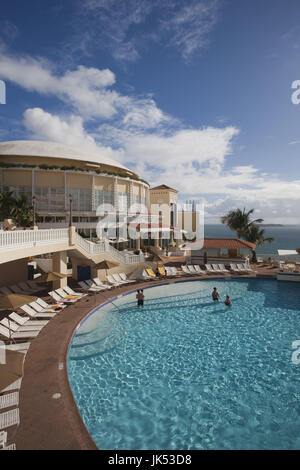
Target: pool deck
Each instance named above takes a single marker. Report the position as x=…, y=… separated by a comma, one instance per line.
x=48, y=423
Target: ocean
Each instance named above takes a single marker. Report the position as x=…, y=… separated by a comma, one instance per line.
x=286, y=237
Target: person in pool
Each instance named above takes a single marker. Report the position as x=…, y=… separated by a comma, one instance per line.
x=228, y=301
x=215, y=295
x=140, y=298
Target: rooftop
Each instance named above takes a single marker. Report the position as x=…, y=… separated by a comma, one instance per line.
x=163, y=187
x=228, y=243
x=37, y=148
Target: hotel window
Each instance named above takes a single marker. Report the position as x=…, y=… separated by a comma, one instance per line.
x=50, y=199
x=82, y=199
x=103, y=197
x=122, y=202
x=18, y=190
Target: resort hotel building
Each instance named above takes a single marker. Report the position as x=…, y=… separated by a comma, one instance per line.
x=53, y=172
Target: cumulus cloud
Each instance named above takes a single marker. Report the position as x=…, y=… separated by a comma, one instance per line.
x=86, y=90
x=135, y=132
x=69, y=130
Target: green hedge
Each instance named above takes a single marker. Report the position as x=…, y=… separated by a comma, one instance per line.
x=44, y=166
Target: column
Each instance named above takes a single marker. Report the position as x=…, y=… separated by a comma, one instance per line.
x=93, y=193
x=59, y=265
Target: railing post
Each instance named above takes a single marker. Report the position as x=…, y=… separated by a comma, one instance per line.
x=72, y=235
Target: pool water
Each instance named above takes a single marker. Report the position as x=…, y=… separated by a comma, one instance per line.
x=186, y=373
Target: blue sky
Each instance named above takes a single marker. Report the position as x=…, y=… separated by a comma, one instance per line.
x=195, y=94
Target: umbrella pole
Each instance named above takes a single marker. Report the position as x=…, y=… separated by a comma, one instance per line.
x=9, y=330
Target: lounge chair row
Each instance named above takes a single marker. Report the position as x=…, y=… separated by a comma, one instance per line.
x=170, y=271
x=114, y=280
x=25, y=288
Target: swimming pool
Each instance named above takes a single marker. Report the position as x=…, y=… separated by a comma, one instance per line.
x=186, y=373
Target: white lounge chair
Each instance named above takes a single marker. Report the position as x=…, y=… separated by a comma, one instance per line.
x=234, y=268
x=33, y=314
x=125, y=278
x=113, y=282
x=222, y=267
x=65, y=296
x=10, y=447
x=248, y=268
x=11, y=325
x=185, y=270
x=198, y=269
x=39, y=309
x=241, y=268
x=70, y=291
x=169, y=271
x=15, y=385
x=21, y=347
x=91, y=283
x=117, y=278
x=101, y=284
x=44, y=304
x=7, y=334
x=146, y=276
x=3, y=439
x=87, y=288
x=8, y=400
x=217, y=269
x=59, y=299
x=192, y=269
x=175, y=271
x=209, y=269
x=9, y=418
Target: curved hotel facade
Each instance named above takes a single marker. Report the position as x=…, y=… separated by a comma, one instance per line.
x=52, y=172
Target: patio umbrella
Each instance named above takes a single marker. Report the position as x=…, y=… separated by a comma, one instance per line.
x=106, y=264
x=14, y=301
x=12, y=370
x=49, y=277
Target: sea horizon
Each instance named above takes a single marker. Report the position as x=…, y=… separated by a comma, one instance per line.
x=286, y=237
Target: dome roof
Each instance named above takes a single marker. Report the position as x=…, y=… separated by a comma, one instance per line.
x=37, y=148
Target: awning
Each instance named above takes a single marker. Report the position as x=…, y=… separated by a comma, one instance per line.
x=287, y=252
x=155, y=229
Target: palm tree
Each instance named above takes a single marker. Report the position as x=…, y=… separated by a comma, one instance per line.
x=22, y=211
x=7, y=203
x=257, y=236
x=239, y=221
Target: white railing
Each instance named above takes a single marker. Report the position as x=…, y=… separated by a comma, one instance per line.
x=30, y=238
x=19, y=239
x=105, y=247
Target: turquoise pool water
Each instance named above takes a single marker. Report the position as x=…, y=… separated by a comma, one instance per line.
x=186, y=373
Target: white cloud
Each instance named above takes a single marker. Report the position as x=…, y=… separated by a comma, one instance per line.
x=184, y=26
x=191, y=24
x=69, y=130
x=85, y=90
x=134, y=131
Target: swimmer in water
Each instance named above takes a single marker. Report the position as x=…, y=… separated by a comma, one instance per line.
x=215, y=295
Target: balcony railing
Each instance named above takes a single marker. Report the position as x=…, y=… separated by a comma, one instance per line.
x=19, y=239
x=30, y=238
